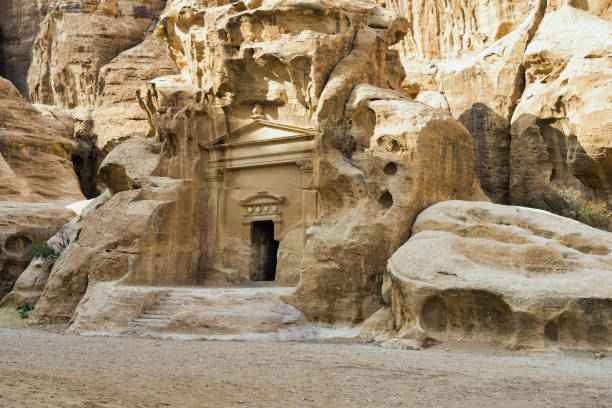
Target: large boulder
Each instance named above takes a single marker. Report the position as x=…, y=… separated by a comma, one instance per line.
x=407, y=157
x=118, y=235
x=23, y=225
x=30, y=285
x=516, y=276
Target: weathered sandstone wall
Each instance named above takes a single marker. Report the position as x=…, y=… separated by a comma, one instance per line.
x=562, y=126
x=118, y=115
x=76, y=40
x=19, y=25
x=36, y=179
x=477, y=60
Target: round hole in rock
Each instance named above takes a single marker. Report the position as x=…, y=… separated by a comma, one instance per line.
x=18, y=243
x=386, y=200
x=434, y=316
x=394, y=146
x=390, y=169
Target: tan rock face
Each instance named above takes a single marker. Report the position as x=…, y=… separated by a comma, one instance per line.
x=473, y=56
x=19, y=25
x=118, y=114
x=482, y=91
x=451, y=28
x=36, y=179
x=35, y=153
x=78, y=38
x=561, y=129
x=511, y=275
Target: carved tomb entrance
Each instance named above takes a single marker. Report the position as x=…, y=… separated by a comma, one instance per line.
x=262, y=200
x=264, y=251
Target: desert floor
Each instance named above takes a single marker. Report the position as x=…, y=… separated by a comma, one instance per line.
x=41, y=367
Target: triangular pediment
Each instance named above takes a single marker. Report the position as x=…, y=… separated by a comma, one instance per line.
x=262, y=198
x=260, y=131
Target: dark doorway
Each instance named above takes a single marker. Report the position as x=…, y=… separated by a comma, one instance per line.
x=263, y=251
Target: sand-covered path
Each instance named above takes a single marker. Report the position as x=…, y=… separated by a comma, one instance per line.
x=46, y=369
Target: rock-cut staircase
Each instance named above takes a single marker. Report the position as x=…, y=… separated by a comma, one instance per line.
x=158, y=316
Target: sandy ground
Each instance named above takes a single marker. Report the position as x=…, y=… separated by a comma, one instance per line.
x=44, y=368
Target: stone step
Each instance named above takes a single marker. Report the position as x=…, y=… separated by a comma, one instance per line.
x=160, y=310
x=149, y=315
x=147, y=320
x=149, y=326
x=166, y=306
x=170, y=302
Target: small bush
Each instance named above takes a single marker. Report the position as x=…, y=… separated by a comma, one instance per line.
x=42, y=250
x=563, y=203
x=24, y=310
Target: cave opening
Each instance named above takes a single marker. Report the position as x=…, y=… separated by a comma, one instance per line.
x=264, y=250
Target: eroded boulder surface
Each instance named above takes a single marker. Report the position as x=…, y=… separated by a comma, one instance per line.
x=408, y=156
x=515, y=276
x=21, y=226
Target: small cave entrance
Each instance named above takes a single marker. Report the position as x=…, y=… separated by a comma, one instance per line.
x=264, y=250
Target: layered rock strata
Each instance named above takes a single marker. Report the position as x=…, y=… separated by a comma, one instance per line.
x=562, y=126
x=76, y=40
x=19, y=25
x=35, y=152
x=36, y=179
x=118, y=115
x=503, y=69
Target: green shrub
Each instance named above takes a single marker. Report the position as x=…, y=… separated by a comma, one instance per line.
x=560, y=202
x=24, y=310
x=42, y=250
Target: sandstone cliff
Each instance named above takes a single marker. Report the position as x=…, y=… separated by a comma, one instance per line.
x=36, y=179
x=35, y=152
x=489, y=64
x=19, y=25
